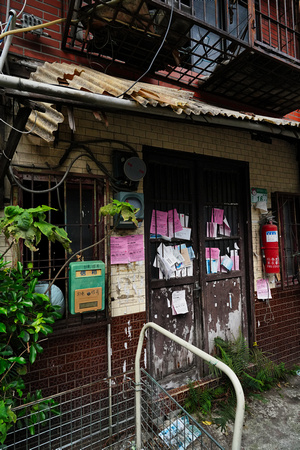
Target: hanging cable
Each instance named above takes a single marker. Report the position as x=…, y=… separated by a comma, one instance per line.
x=156, y=54
x=44, y=191
x=19, y=131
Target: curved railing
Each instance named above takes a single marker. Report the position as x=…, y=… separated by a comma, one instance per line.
x=239, y=414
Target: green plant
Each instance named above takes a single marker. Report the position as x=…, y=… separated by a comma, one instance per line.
x=37, y=410
x=30, y=225
x=124, y=209
x=256, y=372
x=25, y=316
x=199, y=400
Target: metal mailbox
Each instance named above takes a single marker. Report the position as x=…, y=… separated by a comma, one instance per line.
x=86, y=286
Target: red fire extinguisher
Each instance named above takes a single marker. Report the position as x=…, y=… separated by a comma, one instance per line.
x=270, y=248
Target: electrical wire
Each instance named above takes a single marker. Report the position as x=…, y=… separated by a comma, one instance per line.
x=23, y=7
x=44, y=191
x=74, y=145
x=156, y=54
x=19, y=131
x=35, y=27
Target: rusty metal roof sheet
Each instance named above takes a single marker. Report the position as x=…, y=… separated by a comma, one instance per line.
x=145, y=94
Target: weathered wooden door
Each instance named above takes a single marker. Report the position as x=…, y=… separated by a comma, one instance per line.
x=209, y=196
x=224, y=249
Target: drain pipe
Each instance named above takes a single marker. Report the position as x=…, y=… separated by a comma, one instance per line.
x=8, y=39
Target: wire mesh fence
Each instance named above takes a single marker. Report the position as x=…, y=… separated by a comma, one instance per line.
x=101, y=415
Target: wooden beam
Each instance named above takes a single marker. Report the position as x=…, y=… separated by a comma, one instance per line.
x=13, y=140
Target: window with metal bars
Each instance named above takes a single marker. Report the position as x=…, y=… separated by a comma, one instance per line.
x=287, y=208
x=76, y=204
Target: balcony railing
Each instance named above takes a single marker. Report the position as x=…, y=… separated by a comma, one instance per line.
x=192, y=42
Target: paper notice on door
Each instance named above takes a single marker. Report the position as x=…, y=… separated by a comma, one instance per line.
x=174, y=224
x=184, y=234
x=224, y=228
x=217, y=215
x=179, y=305
x=159, y=222
x=186, y=257
x=227, y=262
x=211, y=229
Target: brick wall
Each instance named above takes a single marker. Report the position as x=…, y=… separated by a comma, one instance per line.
x=74, y=358
x=277, y=326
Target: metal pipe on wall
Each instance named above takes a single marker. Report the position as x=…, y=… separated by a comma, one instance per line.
x=118, y=104
x=8, y=39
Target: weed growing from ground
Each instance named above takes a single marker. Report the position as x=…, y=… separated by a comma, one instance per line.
x=256, y=371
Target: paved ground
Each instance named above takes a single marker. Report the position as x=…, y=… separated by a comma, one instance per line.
x=270, y=425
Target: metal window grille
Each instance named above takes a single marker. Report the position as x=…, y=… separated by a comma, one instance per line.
x=287, y=208
x=76, y=204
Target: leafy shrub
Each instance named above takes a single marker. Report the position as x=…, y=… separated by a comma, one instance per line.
x=256, y=372
x=25, y=317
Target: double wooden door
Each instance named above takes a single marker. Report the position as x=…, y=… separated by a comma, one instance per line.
x=198, y=256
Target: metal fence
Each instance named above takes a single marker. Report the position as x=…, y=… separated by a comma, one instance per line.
x=101, y=415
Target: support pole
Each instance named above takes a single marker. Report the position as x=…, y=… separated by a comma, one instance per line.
x=13, y=140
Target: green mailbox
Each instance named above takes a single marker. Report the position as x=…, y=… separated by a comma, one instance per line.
x=86, y=286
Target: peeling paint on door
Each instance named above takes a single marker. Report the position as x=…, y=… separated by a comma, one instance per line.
x=225, y=319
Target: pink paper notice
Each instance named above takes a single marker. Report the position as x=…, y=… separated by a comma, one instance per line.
x=119, y=250
x=159, y=222
x=136, y=247
x=217, y=216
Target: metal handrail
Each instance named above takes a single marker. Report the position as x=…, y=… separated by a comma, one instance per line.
x=240, y=408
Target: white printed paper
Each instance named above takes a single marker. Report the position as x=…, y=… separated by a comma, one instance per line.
x=184, y=234
x=179, y=305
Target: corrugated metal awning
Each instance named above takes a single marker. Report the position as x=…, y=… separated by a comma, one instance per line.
x=181, y=102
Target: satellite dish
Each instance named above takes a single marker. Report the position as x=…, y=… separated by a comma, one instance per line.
x=134, y=168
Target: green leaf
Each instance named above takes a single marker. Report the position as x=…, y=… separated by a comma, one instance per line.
x=45, y=227
x=32, y=354
x=24, y=336
x=17, y=359
x=24, y=221
x=21, y=317
x=3, y=310
x=39, y=209
x=39, y=348
x=2, y=328
x=46, y=329
x=26, y=302
x=4, y=365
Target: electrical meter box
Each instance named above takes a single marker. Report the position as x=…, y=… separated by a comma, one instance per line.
x=86, y=286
